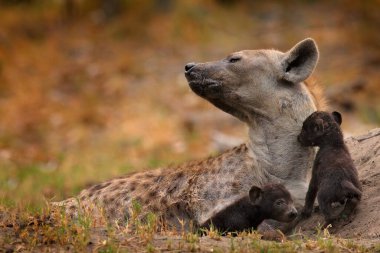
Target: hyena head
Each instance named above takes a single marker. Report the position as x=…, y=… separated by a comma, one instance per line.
x=274, y=201
x=321, y=127
x=255, y=82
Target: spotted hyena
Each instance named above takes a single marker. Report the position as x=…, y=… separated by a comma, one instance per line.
x=265, y=89
x=272, y=201
x=334, y=180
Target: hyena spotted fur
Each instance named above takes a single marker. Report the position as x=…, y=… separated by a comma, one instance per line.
x=265, y=89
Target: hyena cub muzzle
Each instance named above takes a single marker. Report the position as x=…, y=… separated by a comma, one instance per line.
x=334, y=177
x=273, y=201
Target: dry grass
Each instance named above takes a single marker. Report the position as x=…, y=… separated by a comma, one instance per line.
x=43, y=231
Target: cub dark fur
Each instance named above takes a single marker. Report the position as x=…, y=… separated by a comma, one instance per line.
x=334, y=177
x=273, y=201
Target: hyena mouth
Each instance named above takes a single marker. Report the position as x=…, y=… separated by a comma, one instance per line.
x=201, y=85
x=206, y=88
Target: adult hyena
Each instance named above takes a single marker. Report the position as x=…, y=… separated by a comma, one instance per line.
x=263, y=88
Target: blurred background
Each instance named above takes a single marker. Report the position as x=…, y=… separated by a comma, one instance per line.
x=93, y=89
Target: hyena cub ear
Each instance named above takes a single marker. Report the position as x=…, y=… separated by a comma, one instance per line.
x=299, y=62
x=255, y=195
x=337, y=117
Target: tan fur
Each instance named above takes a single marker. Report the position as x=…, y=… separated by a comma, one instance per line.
x=317, y=92
x=263, y=88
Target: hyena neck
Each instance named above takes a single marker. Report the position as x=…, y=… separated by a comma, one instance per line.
x=280, y=154
x=273, y=143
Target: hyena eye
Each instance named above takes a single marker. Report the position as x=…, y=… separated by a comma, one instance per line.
x=234, y=59
x=279, y=202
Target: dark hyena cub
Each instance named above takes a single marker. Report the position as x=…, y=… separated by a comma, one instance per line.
x=334, y=176
x=273, y=201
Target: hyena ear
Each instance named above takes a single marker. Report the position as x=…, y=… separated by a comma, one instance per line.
x=337, y=117
x=255, y=194
x=299, y=62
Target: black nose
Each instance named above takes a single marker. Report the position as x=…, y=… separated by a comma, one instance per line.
x=189, y=66
x=293, y=214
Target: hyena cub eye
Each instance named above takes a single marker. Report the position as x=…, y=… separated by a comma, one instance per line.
x=280, y=202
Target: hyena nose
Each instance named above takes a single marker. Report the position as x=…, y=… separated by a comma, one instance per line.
x=293, y=214
x=189, y=66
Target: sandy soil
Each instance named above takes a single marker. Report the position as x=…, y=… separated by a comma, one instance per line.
x=364, y=226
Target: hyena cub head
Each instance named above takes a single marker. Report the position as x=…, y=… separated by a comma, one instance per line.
x=274, y=202
x=321, y=128
x=256, y=82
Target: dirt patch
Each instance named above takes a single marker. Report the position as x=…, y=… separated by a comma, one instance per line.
x=365, y=225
